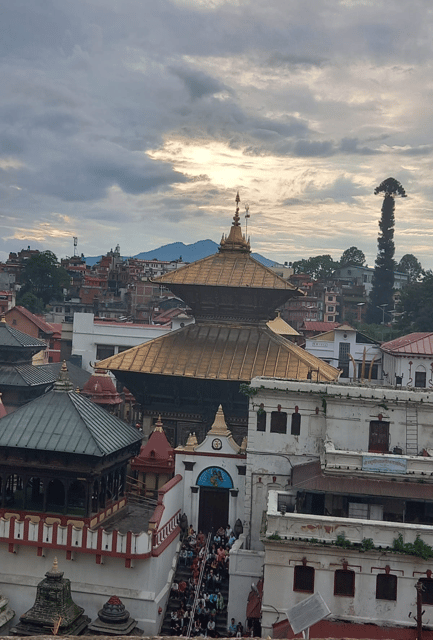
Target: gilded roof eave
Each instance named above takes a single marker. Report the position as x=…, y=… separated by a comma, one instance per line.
x=214, y=351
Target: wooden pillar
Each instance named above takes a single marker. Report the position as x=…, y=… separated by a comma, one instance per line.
x=45, y=485
x=3, y=496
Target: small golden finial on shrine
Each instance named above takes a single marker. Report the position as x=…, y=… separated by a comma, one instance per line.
x=158, y=425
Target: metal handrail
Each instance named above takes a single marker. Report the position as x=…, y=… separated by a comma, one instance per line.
x=197, y=589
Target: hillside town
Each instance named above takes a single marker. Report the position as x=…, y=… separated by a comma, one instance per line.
x=176, y=458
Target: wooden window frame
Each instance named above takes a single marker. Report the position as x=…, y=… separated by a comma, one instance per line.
x=295, y=427
x=338, y=591
x=383, y=578
x=308, y=576
x=427, y=595
x=279, y=416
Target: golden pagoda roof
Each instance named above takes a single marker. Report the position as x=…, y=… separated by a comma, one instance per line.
x=222, y=351
x=281, y=327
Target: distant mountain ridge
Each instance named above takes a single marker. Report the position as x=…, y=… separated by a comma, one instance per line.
x=188, y=253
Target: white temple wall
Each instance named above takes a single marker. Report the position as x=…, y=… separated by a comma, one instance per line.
x=142, y=589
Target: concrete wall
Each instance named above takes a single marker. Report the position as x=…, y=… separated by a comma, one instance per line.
x=87, y=334
x=142, y=588
x=246, y=567
x=281, y=558
x=400, y=366
x=344, y=412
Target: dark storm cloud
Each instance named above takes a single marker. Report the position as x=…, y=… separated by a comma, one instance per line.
x=309, y=149
x=87, y=176
x=197, y=83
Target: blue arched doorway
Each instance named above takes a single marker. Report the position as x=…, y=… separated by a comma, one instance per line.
x=215, y=484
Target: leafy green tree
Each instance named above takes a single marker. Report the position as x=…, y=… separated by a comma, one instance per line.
x=416, y=306
x=352, y=255
x=44, y=277
x=31, y=302
x=412, y=266
x=316, y=266
x=383, y=276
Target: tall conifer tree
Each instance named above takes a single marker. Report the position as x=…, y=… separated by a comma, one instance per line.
x=383, y=277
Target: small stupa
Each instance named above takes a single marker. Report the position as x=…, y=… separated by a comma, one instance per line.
x=113, y=620
x=54, y=611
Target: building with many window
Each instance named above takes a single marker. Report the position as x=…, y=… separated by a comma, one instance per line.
x=339, y=477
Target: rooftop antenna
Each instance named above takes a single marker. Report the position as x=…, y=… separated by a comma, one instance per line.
x=75, y=245
x=247, y=215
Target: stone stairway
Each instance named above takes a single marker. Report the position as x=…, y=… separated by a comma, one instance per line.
x=183, y=573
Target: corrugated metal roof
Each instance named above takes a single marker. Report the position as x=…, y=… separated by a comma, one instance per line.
x=356, y=485
x=11, y=337
x=221, y=352
x=227, y=269
x=413, y=343
x=66, y=422
x=26, y=375
x=315, y=325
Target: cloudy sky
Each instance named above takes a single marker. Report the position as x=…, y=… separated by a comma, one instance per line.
x=136, y=121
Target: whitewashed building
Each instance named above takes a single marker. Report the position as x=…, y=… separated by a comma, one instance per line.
x=408, y=360
x=335, y=474
x=97, y=339
x=355, y=354
x=214, y=477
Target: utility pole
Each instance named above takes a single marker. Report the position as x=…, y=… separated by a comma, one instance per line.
x=419, y=588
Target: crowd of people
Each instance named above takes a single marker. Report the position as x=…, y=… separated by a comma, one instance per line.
x=206, y=595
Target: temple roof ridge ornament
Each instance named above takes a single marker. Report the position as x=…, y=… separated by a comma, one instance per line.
x=235, y=241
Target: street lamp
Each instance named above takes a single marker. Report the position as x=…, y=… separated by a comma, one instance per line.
x=382, y=308
x=360, y=305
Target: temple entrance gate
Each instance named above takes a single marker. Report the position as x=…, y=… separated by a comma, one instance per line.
x=215, y=484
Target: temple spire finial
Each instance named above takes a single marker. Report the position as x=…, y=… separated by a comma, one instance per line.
x=235, y=241
x=236, y=218
x=158, y=425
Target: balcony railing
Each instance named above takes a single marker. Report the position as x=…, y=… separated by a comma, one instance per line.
x=298, y=526
x=378, y=464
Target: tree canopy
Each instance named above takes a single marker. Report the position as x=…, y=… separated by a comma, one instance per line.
x=416, y=306
x=412, y=266
x=43, y=277
x=352, y=255
x=383, y=276
x=316, y=266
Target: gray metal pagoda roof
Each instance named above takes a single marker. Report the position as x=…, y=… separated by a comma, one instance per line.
x=67, y=422
x=26, y=375
x=29, y=375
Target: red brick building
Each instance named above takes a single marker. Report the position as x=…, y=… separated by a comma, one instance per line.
x=27, y=322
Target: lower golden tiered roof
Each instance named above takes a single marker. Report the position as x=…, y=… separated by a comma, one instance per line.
x=222, y=351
